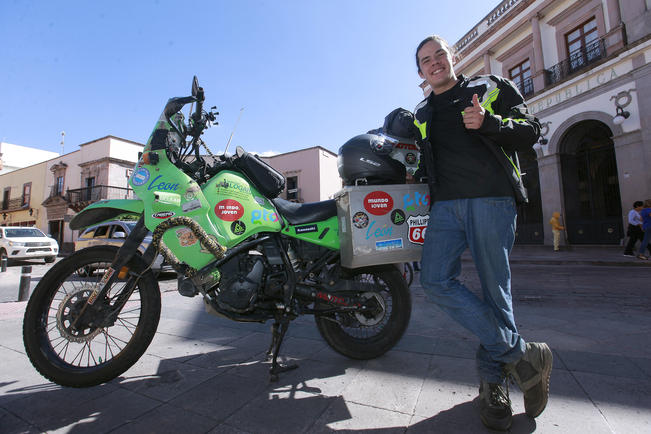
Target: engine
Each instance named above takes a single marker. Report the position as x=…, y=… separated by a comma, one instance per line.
x=250, y=276
x=240, y=281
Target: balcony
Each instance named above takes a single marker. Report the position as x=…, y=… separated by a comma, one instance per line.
x=14, y=205
x=578, y=60
x=80, y=198
x=525, y=87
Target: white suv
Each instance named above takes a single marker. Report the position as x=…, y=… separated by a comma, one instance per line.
x=27, y=243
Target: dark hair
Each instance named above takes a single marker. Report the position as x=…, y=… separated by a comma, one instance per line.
x=637, y=203
x=434, y=38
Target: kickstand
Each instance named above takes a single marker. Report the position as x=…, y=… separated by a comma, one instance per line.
x=276, y=340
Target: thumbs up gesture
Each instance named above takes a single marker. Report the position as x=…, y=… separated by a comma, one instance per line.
x=473, y=116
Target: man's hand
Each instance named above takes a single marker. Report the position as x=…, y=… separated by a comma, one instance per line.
x=473, y=116
x=409, y=178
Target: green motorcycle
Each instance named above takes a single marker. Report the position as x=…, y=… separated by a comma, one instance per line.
x=218, y=222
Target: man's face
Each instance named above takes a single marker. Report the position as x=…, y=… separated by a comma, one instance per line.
x=435, y=63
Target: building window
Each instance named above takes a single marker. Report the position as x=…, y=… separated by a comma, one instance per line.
x=90, y=183
x=5, y=198
x=583, y=44
x=292, y=188
x=59, y=186
x=27, y=194
x=521, y=76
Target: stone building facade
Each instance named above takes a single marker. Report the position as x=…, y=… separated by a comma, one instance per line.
x=584, y=68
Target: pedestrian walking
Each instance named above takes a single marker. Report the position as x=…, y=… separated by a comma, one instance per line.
x=555, y=221
x=470, y=129
x=634, y=230
x=645, y=213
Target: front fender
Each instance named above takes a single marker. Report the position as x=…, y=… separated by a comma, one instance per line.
x=111, y=209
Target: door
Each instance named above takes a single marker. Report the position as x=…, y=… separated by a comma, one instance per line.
x=55, y=229
x=590, y=185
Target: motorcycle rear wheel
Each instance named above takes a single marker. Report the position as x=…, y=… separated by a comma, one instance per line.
x=85, y=356
x=360, y=336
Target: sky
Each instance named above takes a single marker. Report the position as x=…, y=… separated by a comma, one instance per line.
x=306, y=73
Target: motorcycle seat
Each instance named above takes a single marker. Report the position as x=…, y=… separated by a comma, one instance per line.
x=300, y=213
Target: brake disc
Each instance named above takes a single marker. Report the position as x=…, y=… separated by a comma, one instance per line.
x=370, y=319
x=68, y=313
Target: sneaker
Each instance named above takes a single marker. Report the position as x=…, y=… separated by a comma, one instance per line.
x=642, y=257
x=629, y=254
x=495, y=406
x=531, y=373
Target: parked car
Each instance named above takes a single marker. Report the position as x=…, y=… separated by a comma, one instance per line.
x=113, y=233
x=27, y=243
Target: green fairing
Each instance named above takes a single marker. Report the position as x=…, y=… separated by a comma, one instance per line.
x=105, y=210
x=326, y=238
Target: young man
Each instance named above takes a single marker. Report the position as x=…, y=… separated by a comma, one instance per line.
x=634, y=232
x=470, y=131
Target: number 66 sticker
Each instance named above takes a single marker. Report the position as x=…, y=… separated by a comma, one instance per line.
x=417, y=228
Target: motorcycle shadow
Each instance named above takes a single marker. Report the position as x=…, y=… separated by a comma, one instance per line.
x=183, y=395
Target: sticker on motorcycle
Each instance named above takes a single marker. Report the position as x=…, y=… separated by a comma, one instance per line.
x=229, y=210
x=163, y=215
x=233, y=189
x=379, y=231
x=418, y=200
x=238, y=227
x=192, y=205
x=397, y=217
x=191, y=192
x=378, y=203
x=305, y=229
x=157, y=185
x=140, y=177
x=259, y=216
x=360, y=220
x=393, y=244
x=417, y=228
x=186, y=237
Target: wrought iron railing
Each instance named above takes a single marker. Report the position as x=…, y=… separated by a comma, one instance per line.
x=526, y=87
x=13, y=204
x=98, y=192
x=55, y=191
x=577, y=61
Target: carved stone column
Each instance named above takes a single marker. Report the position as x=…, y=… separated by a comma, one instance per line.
x=538, y=60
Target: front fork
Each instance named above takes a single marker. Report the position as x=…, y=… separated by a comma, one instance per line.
x=125, y=253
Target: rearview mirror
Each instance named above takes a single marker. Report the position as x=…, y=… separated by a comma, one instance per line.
x=119, y=234
x=195, y=86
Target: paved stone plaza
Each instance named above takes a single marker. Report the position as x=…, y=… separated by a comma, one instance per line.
x=206, y=374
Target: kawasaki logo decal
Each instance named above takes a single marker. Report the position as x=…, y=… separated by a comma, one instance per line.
x=306, y=229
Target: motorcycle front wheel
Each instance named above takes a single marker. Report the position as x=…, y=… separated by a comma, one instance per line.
x=58, y=332
x=370, y=334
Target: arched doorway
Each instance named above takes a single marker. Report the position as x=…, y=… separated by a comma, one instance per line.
x=529, y=228
x=590, y=184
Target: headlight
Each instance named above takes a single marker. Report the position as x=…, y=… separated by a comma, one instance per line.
x=16, y=243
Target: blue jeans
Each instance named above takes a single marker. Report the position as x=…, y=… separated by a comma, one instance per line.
x=487, y=226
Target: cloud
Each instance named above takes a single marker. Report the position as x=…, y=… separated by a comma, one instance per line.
x=265, y=153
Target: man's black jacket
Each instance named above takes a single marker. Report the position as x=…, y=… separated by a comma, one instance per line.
x=507, y=127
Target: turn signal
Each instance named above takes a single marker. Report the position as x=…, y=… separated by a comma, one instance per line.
x=123, y=273
x=150, y=158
